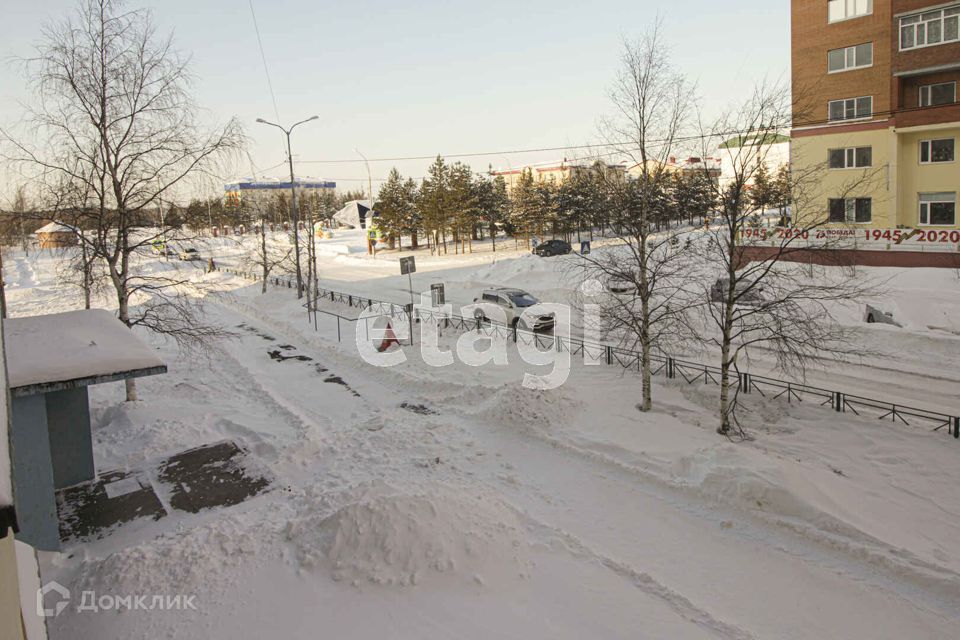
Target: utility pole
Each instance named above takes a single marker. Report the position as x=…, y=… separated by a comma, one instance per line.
x=293, y=199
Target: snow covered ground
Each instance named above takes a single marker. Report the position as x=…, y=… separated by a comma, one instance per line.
x=424, y=502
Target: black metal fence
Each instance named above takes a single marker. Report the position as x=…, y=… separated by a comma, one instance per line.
x=379, y=307
x=698, y=373
x=671, y=368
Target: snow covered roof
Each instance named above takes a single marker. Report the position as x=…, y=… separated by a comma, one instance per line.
x=73, y=349
x=6, y=486
x=55, y=227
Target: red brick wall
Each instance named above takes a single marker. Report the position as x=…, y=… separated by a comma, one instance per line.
x=812, y=37
x=922, y=57
x=847, y=257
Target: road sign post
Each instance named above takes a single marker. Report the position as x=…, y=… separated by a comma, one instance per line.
x=409, y=266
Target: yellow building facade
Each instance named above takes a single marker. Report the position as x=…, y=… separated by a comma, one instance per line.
x=874, y=96
x=906, y=173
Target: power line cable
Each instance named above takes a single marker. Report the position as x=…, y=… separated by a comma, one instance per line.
x=263, y=57
x=625, y=144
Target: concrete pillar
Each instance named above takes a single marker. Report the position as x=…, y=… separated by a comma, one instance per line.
x=71, y=443
x=33, y=486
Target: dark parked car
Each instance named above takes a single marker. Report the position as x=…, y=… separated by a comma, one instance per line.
x=748, y=293
x=552, y=248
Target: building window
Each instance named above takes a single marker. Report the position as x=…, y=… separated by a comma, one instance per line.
x=932, y=95
x=850, y=210
x=938, y=208
x=930, y=28
x=845, y=9
x=855, y=57
x=851, y=108
x=850, y=158
x=942, y=150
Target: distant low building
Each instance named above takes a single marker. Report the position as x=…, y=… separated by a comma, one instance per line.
x=248, y=189
x=710, y=166
x=560, y=172
x=56, y=235
x=772, y=149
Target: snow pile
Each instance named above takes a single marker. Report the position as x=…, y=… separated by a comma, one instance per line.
x=730, y=474
x=540, y=409
x=203, y=560
x=387, y=537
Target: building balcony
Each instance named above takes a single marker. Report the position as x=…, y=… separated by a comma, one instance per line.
x=928, y=116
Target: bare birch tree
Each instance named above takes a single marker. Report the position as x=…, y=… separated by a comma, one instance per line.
x=652, y=102
x=759, y=295
x=113, y=110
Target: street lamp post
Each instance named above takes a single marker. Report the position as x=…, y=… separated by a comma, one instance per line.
x=293, y=199
x=370, y=248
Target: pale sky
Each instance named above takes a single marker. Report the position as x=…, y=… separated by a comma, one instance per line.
x=409, y=79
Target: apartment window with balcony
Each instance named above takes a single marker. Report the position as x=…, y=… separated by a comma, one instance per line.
x=850, y=158
x=850, y=210
x=938, y=209
x=932, y=95
x=850, y=108
x=934, y=151
x=838, y=10
x=930, y=28
x=856, y=57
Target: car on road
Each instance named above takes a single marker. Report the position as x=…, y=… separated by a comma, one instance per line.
x=190, y=254
x=552, y=248
x=747, y=292
x=623, y=284
x=513, y=302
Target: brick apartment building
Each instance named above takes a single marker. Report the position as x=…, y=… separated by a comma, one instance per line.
x=875, y=92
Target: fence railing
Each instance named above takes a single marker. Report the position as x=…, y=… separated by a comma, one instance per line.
x=690, y=372
x=668, y=366
x=380, y=307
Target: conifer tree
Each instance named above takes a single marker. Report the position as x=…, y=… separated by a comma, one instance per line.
x=463, y=205
x=493, y=204
x=434, y=200
x=392, y=206
x=781, y=192
x=762, y=191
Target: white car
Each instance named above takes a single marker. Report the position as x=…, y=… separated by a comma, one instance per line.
x=514, y=302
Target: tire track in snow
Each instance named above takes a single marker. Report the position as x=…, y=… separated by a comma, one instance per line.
x=646, y=583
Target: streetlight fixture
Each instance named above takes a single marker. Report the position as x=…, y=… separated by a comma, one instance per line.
x=370, y=247
x=293, y=198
